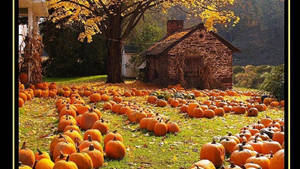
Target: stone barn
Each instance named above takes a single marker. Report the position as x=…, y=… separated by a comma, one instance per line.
x=193, y=57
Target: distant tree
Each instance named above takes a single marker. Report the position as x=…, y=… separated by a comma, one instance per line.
x=67, y=55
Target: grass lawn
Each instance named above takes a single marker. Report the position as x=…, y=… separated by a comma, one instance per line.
x=38, y=121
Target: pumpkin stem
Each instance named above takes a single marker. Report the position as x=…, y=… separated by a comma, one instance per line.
x=102, y=120
x=39, y=151
x=90, y=138
x=229, y=133
x=24, y=145
x=232, y=165
x=115, y=131
x=60, y=135
x=241, y=148
x=257, y=155
x=91, y=147
x=214, y=141
x=61, y=156
x=67, y=159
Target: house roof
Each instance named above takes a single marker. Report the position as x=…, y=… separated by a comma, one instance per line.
x=170, y=41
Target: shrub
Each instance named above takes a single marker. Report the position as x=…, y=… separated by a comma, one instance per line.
x=274, y=82
x=68, y=57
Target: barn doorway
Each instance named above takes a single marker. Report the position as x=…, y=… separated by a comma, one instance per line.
x=192, y=71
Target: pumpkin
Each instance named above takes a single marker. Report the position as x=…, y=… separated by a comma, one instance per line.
x=88, y=119
x=227, y=108
x=203, y=164
x=107, y=106
x=277, y=161
x=175, y=103
x=253, y=112
x=21, y=102
x=257, y=145
x=144, y=123
x=262, y=161
x=39, y=155
x=65, y=121
x=26, y=155
x=104, y=97
x=191, y=107
x=58, y=139
x=63, y=147
x=197, y=112
x=95, y=97
x=82, y=108
x=252, y=166
x=86, y=143
x=228, y=144
x=209, y=113
x=82, y=160
x=22, y=166
x=72, y=127
x=68, y=110
x=112, y=135
x=160, y=128
x=101, y=126
x=239, y=109
x=44, y=163
x=65, y=164
x=115, y=149
x=274, y=104
x=270, y=147
x=172, y=127
x=152, y=99
x=219, y=111
x=184, y=108
x=161, y=103
x=95, y=155
x=140, y=115
x=279, y=136
x=116, y=108
x=23, y=96
x=239, y=157
x=151, y=123
x=74, y=135
x=94, y=133
x=125, y=110
x=215, y=152
x=266, y=121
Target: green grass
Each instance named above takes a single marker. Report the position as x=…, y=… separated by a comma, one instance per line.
x=94, y=78
x=144, y=150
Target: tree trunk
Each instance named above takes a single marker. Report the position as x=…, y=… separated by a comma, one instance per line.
x=114, y=63
x=114, y=60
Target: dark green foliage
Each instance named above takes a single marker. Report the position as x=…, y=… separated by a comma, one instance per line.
x=238, y=69
x=274, y=82
x=68, y=57
x=264, y=77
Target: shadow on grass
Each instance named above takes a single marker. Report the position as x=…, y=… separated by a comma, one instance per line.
x=95, y=78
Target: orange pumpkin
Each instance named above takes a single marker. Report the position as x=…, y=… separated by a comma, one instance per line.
x=112, y=135
x=215, y=152
x=277, y=161
x=115, y=149
x=26, y=156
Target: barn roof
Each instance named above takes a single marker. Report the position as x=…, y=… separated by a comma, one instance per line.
x=170, y=41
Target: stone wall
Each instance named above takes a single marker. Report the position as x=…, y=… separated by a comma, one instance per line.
x=215, y=65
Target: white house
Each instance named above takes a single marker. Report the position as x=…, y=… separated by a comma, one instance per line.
x=128, y=69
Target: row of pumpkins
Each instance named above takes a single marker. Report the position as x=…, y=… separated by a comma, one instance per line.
x=257, y=146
